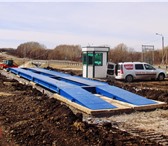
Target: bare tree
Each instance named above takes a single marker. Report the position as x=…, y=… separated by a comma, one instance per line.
x=121, y=53
x=66, y=52
x=30, y=50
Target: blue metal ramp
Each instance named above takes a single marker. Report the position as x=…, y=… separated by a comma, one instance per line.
x=85, y=98
x=100, y=88
x=72, y=92
x=69, y=78
x=81, y=90
x=123, y=95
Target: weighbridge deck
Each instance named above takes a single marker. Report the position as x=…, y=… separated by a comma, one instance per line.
x=87, y=94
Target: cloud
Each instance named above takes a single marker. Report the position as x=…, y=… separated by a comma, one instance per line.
x=83, y=23
x=18, y=37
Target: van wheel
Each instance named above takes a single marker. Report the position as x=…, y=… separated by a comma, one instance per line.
x=161, y=77
x=129, y=78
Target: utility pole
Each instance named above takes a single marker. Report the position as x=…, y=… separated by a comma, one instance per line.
x=164, y=52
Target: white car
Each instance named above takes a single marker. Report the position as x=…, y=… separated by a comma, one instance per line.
x=130, y=71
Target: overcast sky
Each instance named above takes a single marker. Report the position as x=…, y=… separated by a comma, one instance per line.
x=83, y=23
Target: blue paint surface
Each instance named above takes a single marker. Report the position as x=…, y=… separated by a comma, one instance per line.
x=70, y=91
x=123, y=95
x=80, y=90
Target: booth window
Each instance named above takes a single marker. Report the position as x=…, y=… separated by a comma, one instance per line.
x=90, y=58
x=84, y=58
x=97, y=59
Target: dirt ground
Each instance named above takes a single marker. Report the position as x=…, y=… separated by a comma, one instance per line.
x=27, y=117
x=30, y=118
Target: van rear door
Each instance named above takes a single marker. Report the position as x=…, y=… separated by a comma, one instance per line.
x=111, y=70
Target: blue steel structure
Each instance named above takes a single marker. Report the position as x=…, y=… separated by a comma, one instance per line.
x=80, y=90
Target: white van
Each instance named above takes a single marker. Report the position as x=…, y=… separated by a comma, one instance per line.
x=130, y=71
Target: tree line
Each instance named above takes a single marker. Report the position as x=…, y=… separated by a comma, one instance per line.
x=120, y=53
x=35, y=50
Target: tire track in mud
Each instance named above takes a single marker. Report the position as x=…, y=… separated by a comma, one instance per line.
x=158, y=138
x=149, y=135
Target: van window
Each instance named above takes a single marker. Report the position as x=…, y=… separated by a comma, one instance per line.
x=118, y=67
x=149, y=67
x=139, y=66
x=110, y=72
x=110, y=66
